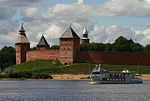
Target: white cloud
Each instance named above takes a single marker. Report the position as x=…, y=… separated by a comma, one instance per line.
x=135, y=8
x=111, y=33
x=8, y=27
x=29, y=12
x=56, y=19
x=146, y=36
x=80, y=2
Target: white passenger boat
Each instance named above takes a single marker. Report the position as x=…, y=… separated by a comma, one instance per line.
x=100, y=76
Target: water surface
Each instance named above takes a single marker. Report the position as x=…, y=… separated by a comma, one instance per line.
x=72, y=91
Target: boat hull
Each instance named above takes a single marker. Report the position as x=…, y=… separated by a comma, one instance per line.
x=117, y=82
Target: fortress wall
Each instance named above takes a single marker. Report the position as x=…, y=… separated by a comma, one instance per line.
x=125, y=58
x=42, y=54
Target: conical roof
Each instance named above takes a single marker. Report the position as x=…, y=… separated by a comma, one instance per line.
x=22, y=38
x=85, y=31
x=43, y=42
x=22, y=29
x=69, y=33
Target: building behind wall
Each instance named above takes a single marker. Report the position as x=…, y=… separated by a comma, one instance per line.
x=69, y=51
x=85, y=39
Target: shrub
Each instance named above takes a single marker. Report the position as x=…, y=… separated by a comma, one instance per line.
x=2, y=76
x=25, y=74
x=41, y=76
x=10, y=73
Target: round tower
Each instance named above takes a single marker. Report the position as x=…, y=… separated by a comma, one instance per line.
x=85, y=38
x=22, y=46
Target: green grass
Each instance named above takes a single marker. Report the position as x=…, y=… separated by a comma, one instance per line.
x=143, y=69
x=55, y=67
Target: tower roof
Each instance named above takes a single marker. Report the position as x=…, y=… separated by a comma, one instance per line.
x=69, y=33
x=22, y=38
x=22, y=29
x=85, y=31
x=43, y=42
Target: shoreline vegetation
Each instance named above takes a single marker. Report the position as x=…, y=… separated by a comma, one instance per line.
x=54, y=70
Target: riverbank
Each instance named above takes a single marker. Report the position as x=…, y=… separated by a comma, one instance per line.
x=145, y=77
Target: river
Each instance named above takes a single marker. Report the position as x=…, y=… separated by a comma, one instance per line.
x=72, y=91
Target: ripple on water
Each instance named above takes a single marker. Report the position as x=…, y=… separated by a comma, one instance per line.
x=72, y=91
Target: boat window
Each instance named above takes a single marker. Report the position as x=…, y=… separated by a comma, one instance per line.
x=96, y=73
x=104, y=79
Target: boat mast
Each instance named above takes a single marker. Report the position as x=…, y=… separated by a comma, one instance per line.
x=99, y=67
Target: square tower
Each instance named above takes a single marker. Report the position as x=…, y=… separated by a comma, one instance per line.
x=22, y=46
x=69, y=46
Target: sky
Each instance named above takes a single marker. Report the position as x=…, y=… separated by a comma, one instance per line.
x=105, y=20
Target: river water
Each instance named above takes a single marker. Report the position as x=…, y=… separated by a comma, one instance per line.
x=72, y=91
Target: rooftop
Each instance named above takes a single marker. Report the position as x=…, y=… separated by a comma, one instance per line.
x=42, y=42
x=69, y=33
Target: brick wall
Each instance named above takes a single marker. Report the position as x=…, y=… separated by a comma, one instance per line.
x=43, y=54
x=126, y=58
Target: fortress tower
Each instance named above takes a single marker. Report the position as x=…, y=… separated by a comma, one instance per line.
x=22, y=46
x=69, y=46
x=42, y=45
x=85, y=38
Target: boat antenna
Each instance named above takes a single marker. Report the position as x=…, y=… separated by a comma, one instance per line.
x=99, y=67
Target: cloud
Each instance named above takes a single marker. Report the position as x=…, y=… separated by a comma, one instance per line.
x=146, y=36
x=111, y=33
x=20, y=3
x=134, y=8
x=56, y=19
x=80, y=2
x=29, y=12
x=9, y=27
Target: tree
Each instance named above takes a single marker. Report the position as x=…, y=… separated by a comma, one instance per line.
x=54, y=47
x=147, y=48
x=108, y=47
x=7, y=57
x=122, y=45
x=33, y=48
x=136, y=47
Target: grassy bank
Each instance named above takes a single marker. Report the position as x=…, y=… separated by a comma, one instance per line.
x=55, y=67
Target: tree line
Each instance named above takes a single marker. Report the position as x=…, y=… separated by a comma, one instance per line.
x=121, y=44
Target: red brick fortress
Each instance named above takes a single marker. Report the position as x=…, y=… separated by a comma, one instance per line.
x=69, y=51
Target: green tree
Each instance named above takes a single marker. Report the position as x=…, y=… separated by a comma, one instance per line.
x=54, y=47
x=147, y=48
x=122, y=45
x=33, y=48
x=108, y=47
x=7, y=57
x=136, y=47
